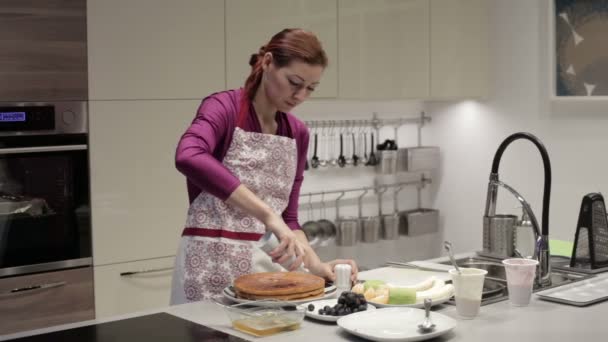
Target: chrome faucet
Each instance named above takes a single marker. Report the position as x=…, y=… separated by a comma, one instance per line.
x=541, y=245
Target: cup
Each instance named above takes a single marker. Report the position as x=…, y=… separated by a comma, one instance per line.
x=468, y=287
x=520, y=279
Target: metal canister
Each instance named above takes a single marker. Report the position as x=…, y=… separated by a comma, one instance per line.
x=499, y=235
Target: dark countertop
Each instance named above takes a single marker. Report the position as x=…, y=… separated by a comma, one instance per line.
x=158, y=327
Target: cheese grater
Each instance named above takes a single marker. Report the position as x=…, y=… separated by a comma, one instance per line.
x=591, y=240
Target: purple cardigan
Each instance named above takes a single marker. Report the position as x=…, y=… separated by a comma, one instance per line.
x=203, y=146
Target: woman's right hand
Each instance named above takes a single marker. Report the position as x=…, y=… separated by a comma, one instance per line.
x=289, y=245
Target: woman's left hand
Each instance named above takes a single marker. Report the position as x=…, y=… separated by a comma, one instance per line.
x=326, y=269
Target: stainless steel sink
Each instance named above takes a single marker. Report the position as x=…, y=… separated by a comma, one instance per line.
x=495, y=284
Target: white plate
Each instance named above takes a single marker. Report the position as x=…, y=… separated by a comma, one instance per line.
x=417, y=305
x=394, y=324
x=319, y=304
x=229, y=294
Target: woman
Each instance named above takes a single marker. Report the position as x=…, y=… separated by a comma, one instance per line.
x=244, y=158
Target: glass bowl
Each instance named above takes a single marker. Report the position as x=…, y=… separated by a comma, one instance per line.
x=265, y=320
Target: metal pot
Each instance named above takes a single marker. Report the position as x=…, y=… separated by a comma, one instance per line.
x=347, y=232
x=347, y=227
x=371, y=226
x=390, y=227
x=387, y=162
x=370, y=229
x=391, y=222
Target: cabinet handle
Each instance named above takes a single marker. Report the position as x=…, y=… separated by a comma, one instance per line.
x=125, y=274
x=39, y=149
x=32, y=287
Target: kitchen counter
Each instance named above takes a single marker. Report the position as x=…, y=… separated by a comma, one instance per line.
x=541, y=320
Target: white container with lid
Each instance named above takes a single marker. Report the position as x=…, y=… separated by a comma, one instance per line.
x=343, y=283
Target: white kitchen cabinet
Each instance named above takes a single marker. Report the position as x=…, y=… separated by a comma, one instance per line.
x=155, y=49
x=251, y=24
x=383, y=49
x=459, y=48
x=135, y=286
x=139, y=200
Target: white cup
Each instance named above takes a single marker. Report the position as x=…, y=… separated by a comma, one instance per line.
x=520, y=279
x=468, y=287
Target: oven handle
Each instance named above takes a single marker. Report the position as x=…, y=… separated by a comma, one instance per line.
x=39, y=149
x=20, y=290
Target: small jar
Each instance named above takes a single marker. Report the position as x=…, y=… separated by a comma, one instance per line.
x=343, y=283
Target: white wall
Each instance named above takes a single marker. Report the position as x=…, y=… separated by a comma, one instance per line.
x=469, y=133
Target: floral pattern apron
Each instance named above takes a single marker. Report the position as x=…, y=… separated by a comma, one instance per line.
x=218, y=243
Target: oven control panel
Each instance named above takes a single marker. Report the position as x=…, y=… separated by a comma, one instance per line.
x=27, y=118
x=43, y=118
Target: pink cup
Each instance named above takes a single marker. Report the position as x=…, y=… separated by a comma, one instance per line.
x=520, y=279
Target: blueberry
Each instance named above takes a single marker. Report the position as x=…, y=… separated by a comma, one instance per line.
x=321, y=312
x=342, y=312
x=327, y=308
x=341, y=300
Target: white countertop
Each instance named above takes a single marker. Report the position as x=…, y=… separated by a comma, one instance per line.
x=540, y=321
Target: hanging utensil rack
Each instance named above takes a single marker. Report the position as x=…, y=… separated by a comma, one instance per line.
x=418, y=183
x=375, y=124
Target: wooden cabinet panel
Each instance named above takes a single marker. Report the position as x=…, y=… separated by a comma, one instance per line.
x=116, y=294
x=44, y=50
x=67, y=299
x=251, y=24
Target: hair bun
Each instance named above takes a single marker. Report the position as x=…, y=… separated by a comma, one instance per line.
x=253, y=59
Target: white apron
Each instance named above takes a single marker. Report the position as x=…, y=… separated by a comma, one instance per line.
x=217, y=244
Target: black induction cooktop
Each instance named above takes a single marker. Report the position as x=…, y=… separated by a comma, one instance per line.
x=151, y=328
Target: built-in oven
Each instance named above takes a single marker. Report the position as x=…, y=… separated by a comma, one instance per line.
x=45, y=215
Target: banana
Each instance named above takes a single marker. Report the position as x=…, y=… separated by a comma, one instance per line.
x=421, y=286
x=381, y=299
x=370, y=293
x=428, y=293
x=436, y=293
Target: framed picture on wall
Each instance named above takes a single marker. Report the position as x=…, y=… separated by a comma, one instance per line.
x=579, y=49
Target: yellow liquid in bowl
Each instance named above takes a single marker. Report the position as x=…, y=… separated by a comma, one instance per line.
x=265, y=325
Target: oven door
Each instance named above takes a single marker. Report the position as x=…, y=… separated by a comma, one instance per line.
x=45, y=220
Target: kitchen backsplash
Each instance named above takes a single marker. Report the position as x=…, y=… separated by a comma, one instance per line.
x=326, y=179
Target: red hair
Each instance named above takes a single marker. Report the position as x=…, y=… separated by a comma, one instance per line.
x=289, y=45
